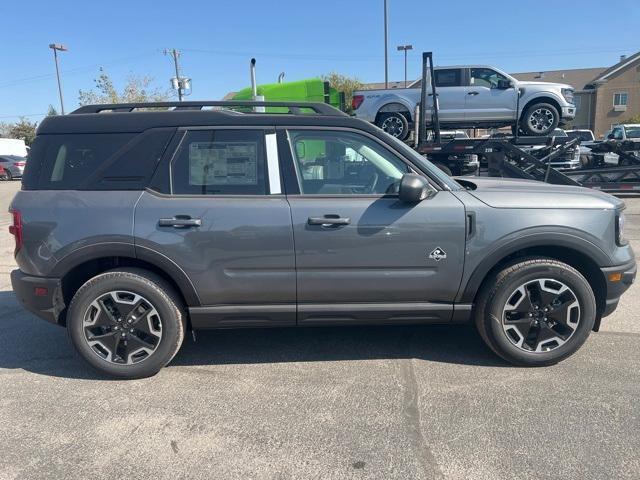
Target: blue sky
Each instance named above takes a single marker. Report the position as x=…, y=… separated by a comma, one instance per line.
x=303, y=38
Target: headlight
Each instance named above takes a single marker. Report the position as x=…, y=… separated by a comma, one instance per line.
x=620, y=222
x=567, y=93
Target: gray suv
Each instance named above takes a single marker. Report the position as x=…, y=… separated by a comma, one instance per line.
x=136, y=224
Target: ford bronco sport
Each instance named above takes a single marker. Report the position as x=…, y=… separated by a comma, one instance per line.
x=139, y=222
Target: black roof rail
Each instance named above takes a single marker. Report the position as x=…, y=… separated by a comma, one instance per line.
x=295, y=108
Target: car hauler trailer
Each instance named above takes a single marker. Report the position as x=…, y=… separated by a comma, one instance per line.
x=511, y=156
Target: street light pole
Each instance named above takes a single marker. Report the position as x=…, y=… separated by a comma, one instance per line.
x=405, y=48
x=386, y=57
x=55, y=47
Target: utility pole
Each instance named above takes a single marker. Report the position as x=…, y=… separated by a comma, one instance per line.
x=178, y=83
x=58, y=47
x=386, y=57
x=405, y=48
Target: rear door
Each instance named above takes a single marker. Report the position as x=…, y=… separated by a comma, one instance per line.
x=220, y=217
x=485, y=101
x=361, y=254
x=451, y=90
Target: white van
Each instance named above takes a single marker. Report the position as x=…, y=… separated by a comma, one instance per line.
x=13, y=146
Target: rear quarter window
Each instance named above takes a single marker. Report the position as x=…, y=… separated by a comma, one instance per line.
x=112, y=161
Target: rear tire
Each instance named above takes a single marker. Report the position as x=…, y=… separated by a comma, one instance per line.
x=540, y=119
x=9, y=175
x=585, y=161
x=511, y=317
x=395, y=124
x=126, y=323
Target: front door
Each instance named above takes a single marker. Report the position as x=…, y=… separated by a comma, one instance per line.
x=226, y=224
x=361, y=254
x=485, y=101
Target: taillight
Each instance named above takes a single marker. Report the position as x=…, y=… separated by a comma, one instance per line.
x=19, y=164
x=356, y=101
x=16, y=229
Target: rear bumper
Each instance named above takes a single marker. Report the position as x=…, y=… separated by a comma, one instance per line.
x=616, y=288
x=47, y=304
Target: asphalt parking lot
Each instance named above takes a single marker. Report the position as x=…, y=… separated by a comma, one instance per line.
x=387, y=403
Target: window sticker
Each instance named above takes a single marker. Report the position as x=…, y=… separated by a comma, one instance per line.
x=223, y=163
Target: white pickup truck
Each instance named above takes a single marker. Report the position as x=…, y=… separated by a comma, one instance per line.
x=471, y=97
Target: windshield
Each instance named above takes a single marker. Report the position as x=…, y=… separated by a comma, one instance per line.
x=421, y=161
x=633, y=132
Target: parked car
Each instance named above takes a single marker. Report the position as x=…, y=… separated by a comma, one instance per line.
x=621, y=133
x=13, y=165
x=458, y=164
x=475, y=96
x=570, y=160
x=3, y=173
x=261, y=220
x=586, y=138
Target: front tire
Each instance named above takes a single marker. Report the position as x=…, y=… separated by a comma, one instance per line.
x=540, y=119
x=536, y=312
x=126, y=323
x=395, y=124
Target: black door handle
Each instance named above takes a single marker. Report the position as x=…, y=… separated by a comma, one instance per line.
x=472, y=93
x=329, y=220
x=180, y=221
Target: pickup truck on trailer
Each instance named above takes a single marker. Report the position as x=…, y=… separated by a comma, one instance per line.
x=472, y=97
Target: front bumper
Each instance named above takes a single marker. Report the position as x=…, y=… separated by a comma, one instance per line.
x=615, y=288
x=569, y=112
x=40, y=295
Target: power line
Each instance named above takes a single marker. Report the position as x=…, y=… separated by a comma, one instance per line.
x=76, y=70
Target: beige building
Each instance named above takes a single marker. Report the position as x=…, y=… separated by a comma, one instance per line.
x=604, y=96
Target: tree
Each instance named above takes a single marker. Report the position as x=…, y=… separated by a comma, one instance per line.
x=345, y=84
x=51, y=111
x=23, y=129
x=137, y=89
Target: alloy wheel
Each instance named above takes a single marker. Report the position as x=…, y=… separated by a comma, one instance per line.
x=122, y=327
x=393, y=126
x=541, y=119
x=541, y=315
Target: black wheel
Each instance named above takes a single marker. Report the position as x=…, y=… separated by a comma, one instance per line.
x=126, y=323
x=444, y=168
x=585, y=161
x=540, y=119
x=9, y=175
x=395, y=124
x=536, y=312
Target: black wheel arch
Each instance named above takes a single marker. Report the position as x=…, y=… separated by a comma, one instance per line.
x=81, y=265
x=394, y=107
x=579, y=253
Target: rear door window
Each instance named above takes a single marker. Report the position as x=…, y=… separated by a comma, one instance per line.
x=448, y=77
x=220, y=162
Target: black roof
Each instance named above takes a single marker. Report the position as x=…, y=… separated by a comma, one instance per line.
x=138, y=117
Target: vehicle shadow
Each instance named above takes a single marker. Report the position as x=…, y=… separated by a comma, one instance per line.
x=31, y=344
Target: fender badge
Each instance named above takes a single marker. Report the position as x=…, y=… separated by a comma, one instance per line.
x=438, y=254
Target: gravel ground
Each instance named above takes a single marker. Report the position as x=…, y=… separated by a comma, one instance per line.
x=324, y=403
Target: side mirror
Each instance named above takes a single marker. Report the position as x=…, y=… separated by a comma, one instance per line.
x=504, y=84
x=611, y=136
x=414, y=188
